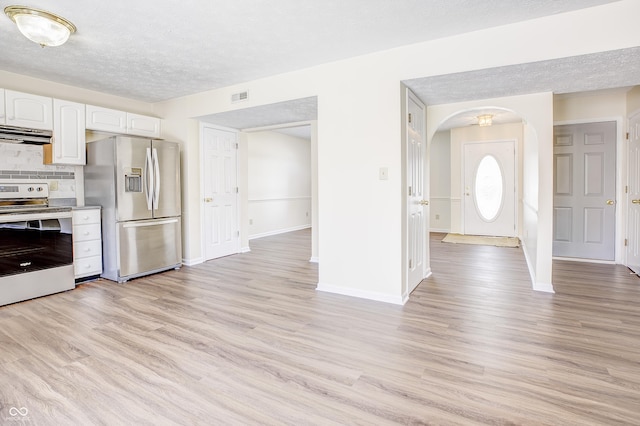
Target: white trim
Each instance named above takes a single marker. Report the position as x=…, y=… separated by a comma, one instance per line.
x=278, y=126
x=576, y=259
x=217, y=126
x=314, y=259
x=245, y=250
x=446, y=231
x=279, y=231
x=543, y=287
x=536, y=286
x=362, y=294
x=192, y=262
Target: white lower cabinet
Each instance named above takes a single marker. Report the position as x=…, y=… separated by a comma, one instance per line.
x=87, y=242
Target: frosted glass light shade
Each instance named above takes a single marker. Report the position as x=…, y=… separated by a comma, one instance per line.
x=39, y=26
x=485, y=120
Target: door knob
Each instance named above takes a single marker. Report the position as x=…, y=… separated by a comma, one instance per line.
x=424, y=203
x=208, y=200
x=635, y=201
x=610, y=202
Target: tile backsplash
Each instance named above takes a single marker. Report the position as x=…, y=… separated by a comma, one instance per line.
x=25, y=162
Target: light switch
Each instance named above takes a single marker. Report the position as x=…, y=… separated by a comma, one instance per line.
x=384, y=173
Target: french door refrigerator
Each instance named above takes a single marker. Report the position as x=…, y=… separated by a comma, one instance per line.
x=137, y=183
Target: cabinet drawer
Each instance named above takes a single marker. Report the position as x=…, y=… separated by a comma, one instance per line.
x=87, y=249
x=86, y=232
x=83, y=217
x=87, y=266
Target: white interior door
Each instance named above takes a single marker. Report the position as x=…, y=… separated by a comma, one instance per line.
x=584, y=219
x=489, y=188
x=417, y=229
x=633, y=243
x=220, y=197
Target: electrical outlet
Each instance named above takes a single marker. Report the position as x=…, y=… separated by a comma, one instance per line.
x=437, y=217
x=250, y=221
x=307, y=214
x=53, y=185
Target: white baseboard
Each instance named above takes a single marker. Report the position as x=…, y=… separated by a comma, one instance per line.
x=314, y=259
x=544, y=287
x=362, y=294
x=575, y=259
x=245, y=250
x=278, y=231
x=191, y=262
x=444, y=231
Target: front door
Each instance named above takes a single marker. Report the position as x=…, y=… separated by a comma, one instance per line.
x=416, y=226
x=489, y=188
x=220, y=197
x=633, y=244
x=584, y=181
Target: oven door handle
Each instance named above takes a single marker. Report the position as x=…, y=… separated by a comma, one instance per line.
x=148, y=179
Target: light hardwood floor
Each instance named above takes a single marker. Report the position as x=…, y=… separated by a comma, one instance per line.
x=247, y=339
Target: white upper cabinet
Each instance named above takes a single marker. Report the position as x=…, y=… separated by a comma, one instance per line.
x=2, y=108
x=106, y=119
x=26, y=110
x=115, y=121
x=143, y=125
x=69, y=140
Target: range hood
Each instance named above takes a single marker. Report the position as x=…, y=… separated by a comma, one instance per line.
x=12, y=134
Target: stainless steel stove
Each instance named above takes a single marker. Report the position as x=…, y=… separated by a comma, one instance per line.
x=36, y=247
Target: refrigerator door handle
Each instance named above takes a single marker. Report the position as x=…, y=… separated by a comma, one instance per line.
x=149, y=223
x=156, y=172
x=149, y=181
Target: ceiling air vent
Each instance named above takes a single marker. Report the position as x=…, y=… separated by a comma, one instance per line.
x=239, y=97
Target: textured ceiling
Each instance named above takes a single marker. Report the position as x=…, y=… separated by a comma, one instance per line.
x=604, y=70
x=157, y=50
x=293, y=111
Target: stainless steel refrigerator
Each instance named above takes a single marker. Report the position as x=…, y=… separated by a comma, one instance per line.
x=137, y=183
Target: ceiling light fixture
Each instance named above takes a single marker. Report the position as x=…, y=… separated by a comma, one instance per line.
x=485, y=120
x=39, y=26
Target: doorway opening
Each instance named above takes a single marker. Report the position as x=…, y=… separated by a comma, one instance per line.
x=279, y=179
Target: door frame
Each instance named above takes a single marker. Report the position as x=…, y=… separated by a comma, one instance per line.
x=622, y=150
x=516, y=182
x=201, y=127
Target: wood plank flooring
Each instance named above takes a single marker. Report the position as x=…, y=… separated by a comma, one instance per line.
x=247, y=339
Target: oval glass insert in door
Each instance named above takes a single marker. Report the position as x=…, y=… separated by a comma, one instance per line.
x=488, y=189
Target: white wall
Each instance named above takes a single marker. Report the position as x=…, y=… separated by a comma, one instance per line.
x=279, y=183
x=440, y=182
x=359, y=131
x=459, y=136
x=633, y=101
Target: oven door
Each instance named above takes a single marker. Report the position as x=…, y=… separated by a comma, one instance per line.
x=33, y=242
